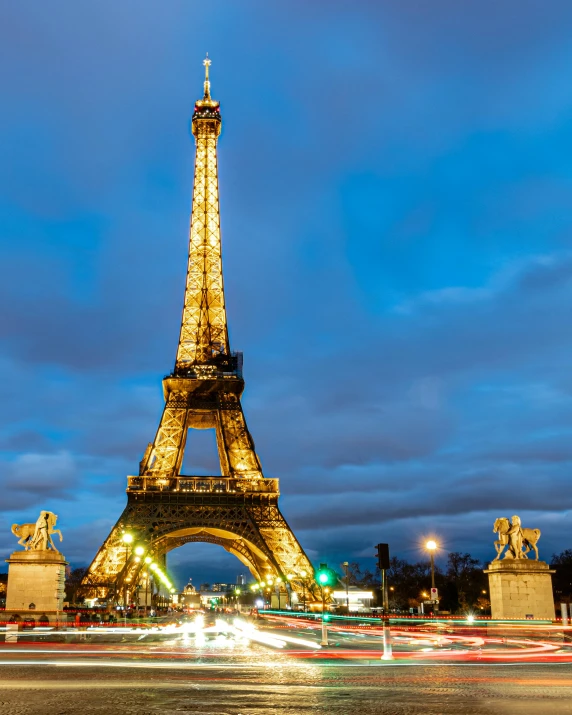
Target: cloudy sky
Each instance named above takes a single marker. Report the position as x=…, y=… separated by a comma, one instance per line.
x=396, y=195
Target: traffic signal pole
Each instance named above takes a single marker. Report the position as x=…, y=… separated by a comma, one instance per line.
x=383, y=564
x=324, y=576
x=384, y=591
x=324, y=640
x=387, y=648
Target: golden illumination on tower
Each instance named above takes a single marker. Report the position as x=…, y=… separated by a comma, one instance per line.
x=237, y=509
x=204, y=332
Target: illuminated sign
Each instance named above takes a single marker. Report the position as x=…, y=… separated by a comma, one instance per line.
x=353, y=595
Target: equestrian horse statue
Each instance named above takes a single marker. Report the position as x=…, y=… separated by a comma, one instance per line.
x=512, y=535
x=24, y=532
x=38, y=536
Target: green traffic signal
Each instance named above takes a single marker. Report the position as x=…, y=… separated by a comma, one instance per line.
x=324, y=576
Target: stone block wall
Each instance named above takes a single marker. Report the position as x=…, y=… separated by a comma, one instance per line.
x=38, y=578
x=521, y=588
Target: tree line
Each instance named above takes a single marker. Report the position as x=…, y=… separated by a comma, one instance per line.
x=462, y=585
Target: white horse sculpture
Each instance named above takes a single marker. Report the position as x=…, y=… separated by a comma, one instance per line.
x=24, y=532
x=38, y=536
x=529, y=538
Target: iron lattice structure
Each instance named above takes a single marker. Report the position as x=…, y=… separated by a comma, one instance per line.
x=165, y=509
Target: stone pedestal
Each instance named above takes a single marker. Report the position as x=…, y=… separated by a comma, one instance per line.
x=520, y=588
x=36, y=582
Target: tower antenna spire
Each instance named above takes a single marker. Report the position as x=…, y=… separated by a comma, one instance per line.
x=207, y=64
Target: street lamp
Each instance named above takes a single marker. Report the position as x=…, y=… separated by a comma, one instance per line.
x=278, y=584
x=258, y=586
x=146, y=592
x=347, y=580
x=127, y=539
x=431, y=546
x=303, y=574
x=148, y=560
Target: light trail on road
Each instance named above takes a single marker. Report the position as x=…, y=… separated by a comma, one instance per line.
x=178, y=644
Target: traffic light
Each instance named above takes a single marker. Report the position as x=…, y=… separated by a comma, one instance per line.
x=324, y=576
x=382, y=555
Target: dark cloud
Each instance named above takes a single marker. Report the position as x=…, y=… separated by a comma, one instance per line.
x=33, y=478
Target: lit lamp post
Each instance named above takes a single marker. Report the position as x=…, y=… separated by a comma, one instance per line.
x=148, y=560
x=139, y=552
x=127, y=539
x=278, y=583
x=289, y=577
x=265, y=591
x=304, y=574
x=260, y=588
x=431, y=547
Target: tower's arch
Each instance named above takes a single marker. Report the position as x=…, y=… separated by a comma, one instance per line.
x=248, y=553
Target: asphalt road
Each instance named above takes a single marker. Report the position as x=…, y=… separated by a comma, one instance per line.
x=217, y=671
x=284, y=688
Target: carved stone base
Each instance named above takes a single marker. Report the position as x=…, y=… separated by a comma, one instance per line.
x=36, y=582
x=520, y=589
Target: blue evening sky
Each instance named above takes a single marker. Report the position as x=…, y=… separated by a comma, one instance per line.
x=396, y=195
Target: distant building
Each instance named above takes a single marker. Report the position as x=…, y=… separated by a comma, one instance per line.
x=189, y=588
x=220, y=587
x=241, y=580
x=360, y=601
x=189, y=598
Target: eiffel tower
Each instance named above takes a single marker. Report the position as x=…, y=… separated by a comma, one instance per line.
x=166, y=509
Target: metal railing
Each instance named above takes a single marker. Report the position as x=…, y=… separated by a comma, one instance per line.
x=201, y=485
x=221, y=367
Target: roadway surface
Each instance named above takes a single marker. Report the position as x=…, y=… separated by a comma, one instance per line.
x=285, y=689
x=277, y=667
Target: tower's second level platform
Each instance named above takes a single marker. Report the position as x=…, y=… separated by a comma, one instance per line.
x=201, y=485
